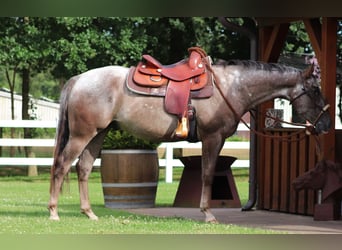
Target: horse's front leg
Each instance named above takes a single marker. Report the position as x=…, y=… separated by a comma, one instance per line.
x=210, y=152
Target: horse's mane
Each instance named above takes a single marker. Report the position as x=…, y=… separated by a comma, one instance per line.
x=257, y=65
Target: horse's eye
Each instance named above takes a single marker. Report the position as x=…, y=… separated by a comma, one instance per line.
x=317, y=90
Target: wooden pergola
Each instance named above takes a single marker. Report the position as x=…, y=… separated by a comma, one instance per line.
x=278, y=163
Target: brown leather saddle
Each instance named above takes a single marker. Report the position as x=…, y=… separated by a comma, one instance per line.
x=178, y=83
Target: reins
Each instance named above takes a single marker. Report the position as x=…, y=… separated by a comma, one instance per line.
x=308, y=128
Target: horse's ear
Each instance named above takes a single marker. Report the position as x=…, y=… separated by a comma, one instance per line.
x=309, y=71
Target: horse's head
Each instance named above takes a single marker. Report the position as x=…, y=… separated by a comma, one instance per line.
x=308, y=101
x=313, y=179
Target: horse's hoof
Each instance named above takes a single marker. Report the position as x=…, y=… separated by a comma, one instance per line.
x=93, y=217
x=53, y=213
x=213, y=221
x=90, y=214
x=54, y=217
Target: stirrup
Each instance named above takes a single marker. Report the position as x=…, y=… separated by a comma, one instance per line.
x=182, y=129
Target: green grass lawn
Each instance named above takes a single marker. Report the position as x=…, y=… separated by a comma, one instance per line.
x=23, y=210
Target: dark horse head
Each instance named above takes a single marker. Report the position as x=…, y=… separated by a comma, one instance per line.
x=308, y=101
x=318, y=177
x=326, y=175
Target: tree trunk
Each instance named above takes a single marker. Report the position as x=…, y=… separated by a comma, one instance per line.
x=0, y=146
x=12, y=149
x=25, y=103
x=11, y=84
x=32, y=170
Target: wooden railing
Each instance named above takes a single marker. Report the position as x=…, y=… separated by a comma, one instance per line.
x=168, y=162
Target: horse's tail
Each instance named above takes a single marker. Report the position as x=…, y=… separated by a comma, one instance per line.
x=62, y=134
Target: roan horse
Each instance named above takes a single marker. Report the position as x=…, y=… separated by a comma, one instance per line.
x=92, y=101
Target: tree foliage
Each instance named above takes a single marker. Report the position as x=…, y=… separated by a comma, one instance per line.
x=66, y=46
x=298, y=41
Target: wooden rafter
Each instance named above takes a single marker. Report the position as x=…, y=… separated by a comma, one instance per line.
x=273, y=41
x=314, y=30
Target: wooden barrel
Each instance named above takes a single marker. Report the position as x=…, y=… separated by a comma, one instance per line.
x=129, y=178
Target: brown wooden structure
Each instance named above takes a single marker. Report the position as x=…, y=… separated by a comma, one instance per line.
x=224, y=191
x=278, y=163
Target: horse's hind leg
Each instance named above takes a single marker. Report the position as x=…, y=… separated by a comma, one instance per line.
x=63, y=162
x=84, y=167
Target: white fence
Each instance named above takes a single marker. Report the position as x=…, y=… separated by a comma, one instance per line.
x=169, y=162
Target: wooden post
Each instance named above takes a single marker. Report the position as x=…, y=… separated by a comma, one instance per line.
x=323, y=38
x=169, y=163
x=328, y=77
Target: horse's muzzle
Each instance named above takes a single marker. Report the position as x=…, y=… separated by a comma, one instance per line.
x=297, y=185
x=323, y=121
x=322, y=128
